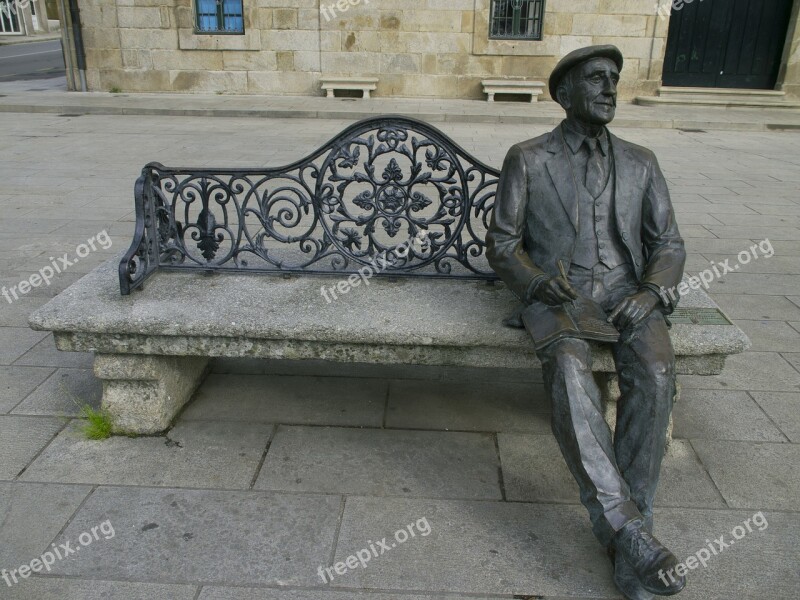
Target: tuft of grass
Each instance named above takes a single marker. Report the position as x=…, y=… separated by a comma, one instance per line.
x=98, y=424
x=115, y=90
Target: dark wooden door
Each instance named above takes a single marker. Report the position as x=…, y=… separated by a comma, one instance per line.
x=726, y=43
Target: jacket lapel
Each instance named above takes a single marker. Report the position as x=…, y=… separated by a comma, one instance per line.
x=560, y=172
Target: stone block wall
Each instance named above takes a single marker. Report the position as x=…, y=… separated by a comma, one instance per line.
x=417, y=48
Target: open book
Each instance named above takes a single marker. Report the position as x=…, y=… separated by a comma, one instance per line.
x=583, y=319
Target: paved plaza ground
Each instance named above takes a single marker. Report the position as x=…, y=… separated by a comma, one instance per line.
x=277, y=469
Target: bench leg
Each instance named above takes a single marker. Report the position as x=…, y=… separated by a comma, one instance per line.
x=490, y=98
x=366, y=95
x=330, y=93
x=609, y=387
x=144, y=393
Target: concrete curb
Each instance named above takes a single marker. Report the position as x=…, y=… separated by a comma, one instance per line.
x=100, y=109
x=22, y=39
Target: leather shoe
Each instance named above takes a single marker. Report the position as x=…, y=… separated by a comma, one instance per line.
x=627, y=582
x=652, y=564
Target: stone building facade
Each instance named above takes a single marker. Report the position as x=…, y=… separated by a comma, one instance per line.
x=416, y=48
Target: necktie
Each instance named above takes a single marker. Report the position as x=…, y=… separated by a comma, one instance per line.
x=595, y=169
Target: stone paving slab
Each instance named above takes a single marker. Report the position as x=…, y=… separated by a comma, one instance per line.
x=476, y=547
x=290, y=400
x=535, y=471
x=21, y=439
x=726, y=247
x=217, y=537
x=793, y=358
x=64, y=393
x=788, y=264
x=57, y=588
x=784, y=410
x=777, y=308
x=16, y=314
x=10, y=279
x=722, y=415
x=756, y=371
x=762, y=564
x=17, y=382
x=746, y=283
x=31, y=516
x=192, y=454
x=491, y=405
x=382, y=462
x=753, y=475
x=771, y=336
x=45, y=354
x=16, y=341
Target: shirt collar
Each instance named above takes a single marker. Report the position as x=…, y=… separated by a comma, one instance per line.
x=575, y=139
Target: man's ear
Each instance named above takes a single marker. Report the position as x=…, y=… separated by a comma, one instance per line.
x=563, y=98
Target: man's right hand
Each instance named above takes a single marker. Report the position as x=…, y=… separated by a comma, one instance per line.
x=554, y=291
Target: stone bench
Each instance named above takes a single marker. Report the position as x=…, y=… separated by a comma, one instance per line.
x=512, y=86
x=364, y=84
x=377, y=241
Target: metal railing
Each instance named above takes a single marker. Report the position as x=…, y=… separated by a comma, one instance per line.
x=363, y=195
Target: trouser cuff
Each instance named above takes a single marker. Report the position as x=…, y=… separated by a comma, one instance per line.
x=615, y=519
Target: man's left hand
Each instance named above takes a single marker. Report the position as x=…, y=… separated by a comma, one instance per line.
x=634, y=309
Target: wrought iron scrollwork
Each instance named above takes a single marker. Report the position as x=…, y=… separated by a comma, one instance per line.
x=389, y=188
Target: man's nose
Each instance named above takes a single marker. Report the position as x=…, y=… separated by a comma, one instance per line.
x=610, y=87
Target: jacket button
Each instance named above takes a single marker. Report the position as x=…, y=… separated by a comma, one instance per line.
x=624, y=235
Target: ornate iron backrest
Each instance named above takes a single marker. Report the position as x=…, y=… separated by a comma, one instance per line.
x=390, y=194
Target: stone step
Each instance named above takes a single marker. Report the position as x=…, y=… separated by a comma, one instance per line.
x=733, y=98
x=743, y=94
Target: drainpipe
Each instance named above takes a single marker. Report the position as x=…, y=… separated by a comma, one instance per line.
x=77, y=37
x=66, y=45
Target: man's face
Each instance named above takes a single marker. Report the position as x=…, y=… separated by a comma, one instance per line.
x=594, y=91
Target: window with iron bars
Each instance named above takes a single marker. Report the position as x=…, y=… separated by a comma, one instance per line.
x=516, y=19
x=220, y=16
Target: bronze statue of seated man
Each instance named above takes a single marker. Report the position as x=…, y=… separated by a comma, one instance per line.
x=583, y=214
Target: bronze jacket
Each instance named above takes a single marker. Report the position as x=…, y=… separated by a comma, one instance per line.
x=535, y=219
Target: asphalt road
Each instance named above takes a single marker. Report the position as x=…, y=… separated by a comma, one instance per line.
x=36, y=60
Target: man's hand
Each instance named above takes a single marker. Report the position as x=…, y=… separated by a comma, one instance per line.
x=634, y=309
x=554, y=291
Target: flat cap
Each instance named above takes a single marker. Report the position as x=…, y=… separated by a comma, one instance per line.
x=579, y=56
